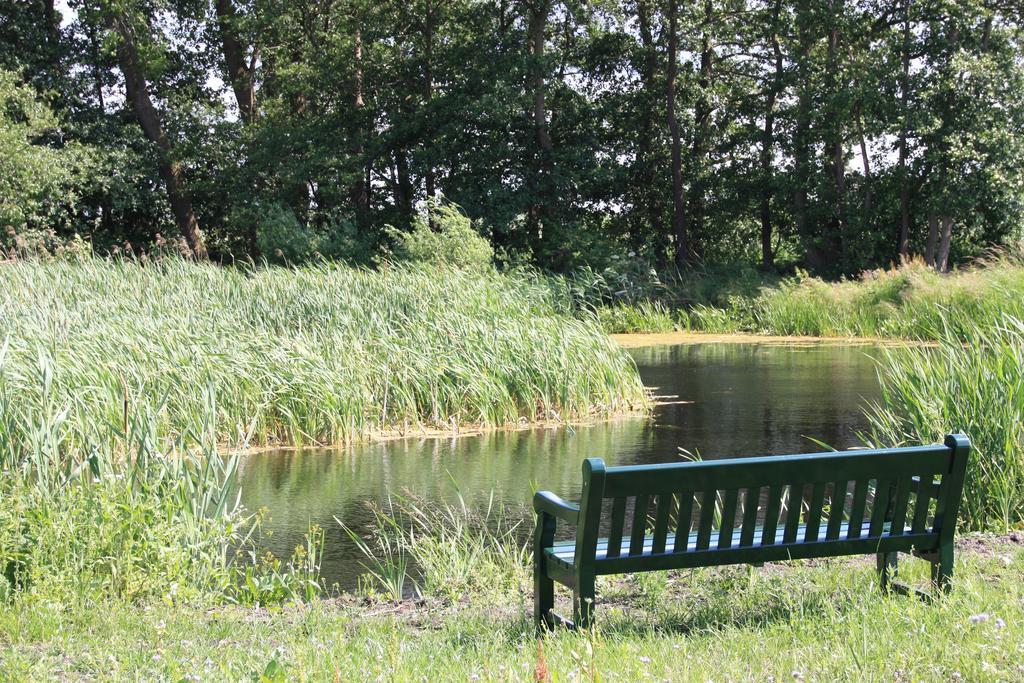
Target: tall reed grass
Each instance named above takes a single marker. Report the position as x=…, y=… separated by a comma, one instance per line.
x=910, y=302
x=449, y=550
x=121, y=385
x=974, y=384
x=322, y=354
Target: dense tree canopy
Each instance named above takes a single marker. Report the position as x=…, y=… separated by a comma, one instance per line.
x=835, y=134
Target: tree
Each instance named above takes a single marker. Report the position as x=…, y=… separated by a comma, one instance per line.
x=129, y=27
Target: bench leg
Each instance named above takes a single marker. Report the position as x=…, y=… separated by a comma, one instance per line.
x=583, y=601
x=543, y=599
x=887, y=566
x=942, y=568
x=543, y=586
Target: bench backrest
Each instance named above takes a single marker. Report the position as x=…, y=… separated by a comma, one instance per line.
x=761, y=509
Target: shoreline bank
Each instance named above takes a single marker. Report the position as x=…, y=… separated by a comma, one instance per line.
x=643, y=339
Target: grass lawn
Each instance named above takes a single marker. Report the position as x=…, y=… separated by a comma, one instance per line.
x=818, y=620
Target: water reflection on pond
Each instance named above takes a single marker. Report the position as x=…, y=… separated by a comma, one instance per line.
x=727, y=400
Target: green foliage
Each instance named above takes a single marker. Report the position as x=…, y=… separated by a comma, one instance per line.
x=282, y=238
x=265, y=580
x=457, y=550
x=909, y=302
x=119, y=381
x=319, y=354
x=94, y=540
x=444, y=235
x=642, y=317
x=41, y=178
x=976, y=387
x=330, y=123
x=91, y=511
x=816, y=621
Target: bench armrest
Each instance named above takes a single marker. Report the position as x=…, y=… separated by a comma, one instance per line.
x=547, y=502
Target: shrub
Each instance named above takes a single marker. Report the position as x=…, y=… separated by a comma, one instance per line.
x=452, y=240
x=638, y=318
x=282, y=237
x=40, y=183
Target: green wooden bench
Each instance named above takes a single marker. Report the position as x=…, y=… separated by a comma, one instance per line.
x=749, y=511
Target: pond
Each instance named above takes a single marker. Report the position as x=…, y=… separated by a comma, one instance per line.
x=717, y=400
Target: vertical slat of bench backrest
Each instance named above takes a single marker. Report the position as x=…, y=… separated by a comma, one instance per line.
x=636, y=536
x=751, y=503
x=771, y=515
x=899, y=508
x=814, y=510
x=860, y=496
x=951, y=488
x=880, y=507
x=683, y=520
x=726, y=528
x=616, y=524
x=661, y=491
x=707, y=518
x=794, y=504
x=837, y=510
x=922, y=501
x=665, y=505
x=588, y=528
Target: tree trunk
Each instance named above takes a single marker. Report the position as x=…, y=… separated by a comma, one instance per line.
x=702, y=134
x=173, y=175
x=97, y=70
x=942, y=258
x=647, y=178
x=801, y=139
x=768, y=143
x=866, y=162
x=539, y=10
x=240, y=74
x=839, y=230
x=428, y=87
x=904, y=238
x=767, y=256
x=403, y=187
x=932, y=244
x=679, y=224
x=360, y=190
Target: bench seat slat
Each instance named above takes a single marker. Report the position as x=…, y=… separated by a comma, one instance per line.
x=780, y=552
x=564, y=551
